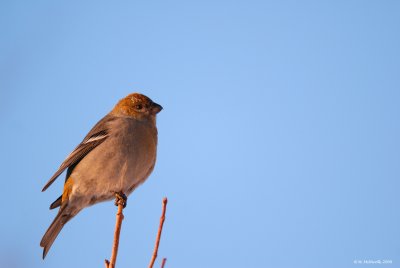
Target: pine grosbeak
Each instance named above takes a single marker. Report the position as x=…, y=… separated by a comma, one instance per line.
x=114, y=158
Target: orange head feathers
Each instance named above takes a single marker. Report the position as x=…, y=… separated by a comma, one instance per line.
x=137, y=106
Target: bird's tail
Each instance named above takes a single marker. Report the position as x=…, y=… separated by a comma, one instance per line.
x=51, y=234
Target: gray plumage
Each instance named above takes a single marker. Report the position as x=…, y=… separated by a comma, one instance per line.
x=116, y=156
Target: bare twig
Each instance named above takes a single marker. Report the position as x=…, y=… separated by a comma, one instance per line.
x=164, y=260
x=162, y=219
x=118, y=223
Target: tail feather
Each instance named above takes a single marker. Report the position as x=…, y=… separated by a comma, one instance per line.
x=53, y=231
x=56, y=203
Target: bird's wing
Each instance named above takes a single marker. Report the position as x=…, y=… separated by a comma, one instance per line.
x=95, y=137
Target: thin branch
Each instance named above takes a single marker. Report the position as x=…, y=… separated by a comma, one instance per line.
x=118, y=223
x=164, y=260
x=162, y=219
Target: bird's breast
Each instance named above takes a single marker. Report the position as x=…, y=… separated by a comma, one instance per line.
x=122, y=162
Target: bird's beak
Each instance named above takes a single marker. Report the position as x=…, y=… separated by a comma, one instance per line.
x=156, y=108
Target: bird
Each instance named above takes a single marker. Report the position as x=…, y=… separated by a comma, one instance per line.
x=115, y=157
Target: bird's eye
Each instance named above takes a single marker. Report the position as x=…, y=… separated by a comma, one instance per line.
x=138, y=107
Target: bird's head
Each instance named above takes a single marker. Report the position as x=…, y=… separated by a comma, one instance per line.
x=137, y=106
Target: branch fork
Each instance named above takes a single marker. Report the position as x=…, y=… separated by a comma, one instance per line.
x=120, y=201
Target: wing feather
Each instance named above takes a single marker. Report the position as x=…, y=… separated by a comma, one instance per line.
x=94, y=138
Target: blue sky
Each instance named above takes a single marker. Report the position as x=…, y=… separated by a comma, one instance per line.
x=278, y=142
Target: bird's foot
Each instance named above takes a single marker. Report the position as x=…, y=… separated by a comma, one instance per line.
x=120, y=199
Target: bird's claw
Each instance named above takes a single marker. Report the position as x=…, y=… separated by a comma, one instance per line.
x=120, y=199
